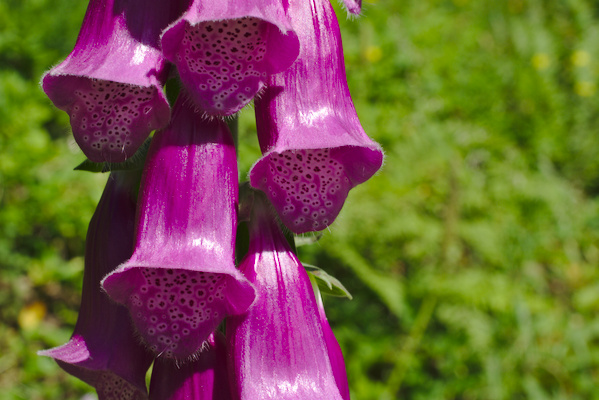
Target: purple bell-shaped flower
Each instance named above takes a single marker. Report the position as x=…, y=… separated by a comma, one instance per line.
x=314, y=147
x=181, y=280
x=225, y=50
x=104, y=350
x=278, y=349
x=111, y=83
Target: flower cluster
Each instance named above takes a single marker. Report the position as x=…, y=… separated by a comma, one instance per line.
x=160, y=266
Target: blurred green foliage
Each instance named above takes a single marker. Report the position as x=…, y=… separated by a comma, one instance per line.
x=472, y=256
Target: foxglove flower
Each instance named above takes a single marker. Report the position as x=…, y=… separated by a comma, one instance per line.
x=334, y=350
x=103, y=350
x=205, y=378
x=315, y=149
x=225, y=50
x=111, y=83
x=181, y=280
x=278, y=349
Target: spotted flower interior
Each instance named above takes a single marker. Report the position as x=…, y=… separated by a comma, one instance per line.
x=171, y=306
x=308, y=188
x=111, y=387
x=111, y=120
x=223, y=62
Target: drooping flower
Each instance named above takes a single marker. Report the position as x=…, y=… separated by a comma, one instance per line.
x=225, y=50
x=314, y=147
x=205, y=378
x=104, y=351
x=181, y=280
x=278, y=349
x=334, y=350
x=111, y=83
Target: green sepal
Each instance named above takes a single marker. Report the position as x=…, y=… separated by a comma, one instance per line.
x=327, y=284
x=136, y=162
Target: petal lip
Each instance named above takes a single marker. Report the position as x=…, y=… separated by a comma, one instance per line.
x=225, y=50
x=104, y=350
x=111, y=83
x=108, y=130
x=314, y=147
x=181, y=280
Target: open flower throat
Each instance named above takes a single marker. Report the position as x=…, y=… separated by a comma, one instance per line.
x=160, y=266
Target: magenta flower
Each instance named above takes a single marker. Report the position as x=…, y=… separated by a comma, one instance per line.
x=315, y=149
x=103, y=350
x=181, y=280
x=225, y=50
x=205, y=378
x=111, y=83
x=278, y=349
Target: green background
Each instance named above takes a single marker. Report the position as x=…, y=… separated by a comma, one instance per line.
x=472, y=256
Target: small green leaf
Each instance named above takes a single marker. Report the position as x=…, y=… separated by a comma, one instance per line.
x=136, y=162
x=327, y=284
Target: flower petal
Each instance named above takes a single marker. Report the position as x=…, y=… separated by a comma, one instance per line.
x=224, y=50
x=104, y=350
x=111, y=83
x=278, y=349
x=181, y=280
x=203, y=379
x=315, y=149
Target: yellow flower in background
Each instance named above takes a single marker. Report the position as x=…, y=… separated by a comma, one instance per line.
x=580, y=58
x=585, y=88
x=373, y=54
x=541, y=61
x=31, y=315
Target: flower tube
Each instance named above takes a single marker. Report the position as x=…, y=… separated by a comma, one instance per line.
x=225, y=50
x=205, y=378
x=314, y=147
x=278, y=349
x=111, y=83
x=104, y=351
x=181, y=280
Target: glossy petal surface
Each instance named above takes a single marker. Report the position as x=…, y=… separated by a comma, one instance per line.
x=111, y=83
x=314, y=147
x=278, y=348
x=225, y=50
x=181, y=280
x=104, y=350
